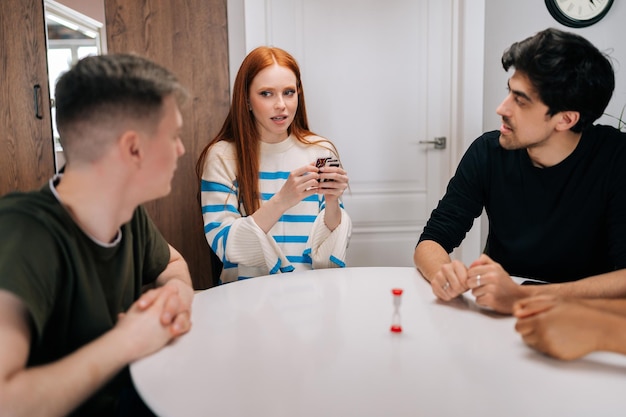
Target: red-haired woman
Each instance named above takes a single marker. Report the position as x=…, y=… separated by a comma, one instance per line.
x=267, y=206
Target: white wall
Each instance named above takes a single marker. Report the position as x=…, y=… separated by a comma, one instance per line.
x=508, y=21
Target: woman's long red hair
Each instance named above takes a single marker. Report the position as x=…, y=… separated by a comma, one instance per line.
x=240, y=125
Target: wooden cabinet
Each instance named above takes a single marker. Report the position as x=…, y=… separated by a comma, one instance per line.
x=191, y=39
x=26, y=145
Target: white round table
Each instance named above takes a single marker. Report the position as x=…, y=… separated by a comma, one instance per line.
x=318, y=343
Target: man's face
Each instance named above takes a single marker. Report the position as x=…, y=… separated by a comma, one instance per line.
x=163, y=149
x=525, y=119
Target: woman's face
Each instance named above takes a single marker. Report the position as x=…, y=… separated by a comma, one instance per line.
x=274, y=101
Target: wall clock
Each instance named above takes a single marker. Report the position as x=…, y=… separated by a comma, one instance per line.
x=578, y=13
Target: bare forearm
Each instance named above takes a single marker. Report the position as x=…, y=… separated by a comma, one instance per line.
x=609, y=285
x=332, y=215
x=58, y=388
x=428, y=257
x=612, y=333
x=615, y=306
x=177, y=273
x=269, y=213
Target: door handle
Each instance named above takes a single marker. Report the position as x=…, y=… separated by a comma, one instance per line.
x=37, y=101
x=439, y=142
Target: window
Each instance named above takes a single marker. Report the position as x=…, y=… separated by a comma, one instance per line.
x=70, y=37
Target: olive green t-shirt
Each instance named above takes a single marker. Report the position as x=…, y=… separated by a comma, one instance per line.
x=73, y=286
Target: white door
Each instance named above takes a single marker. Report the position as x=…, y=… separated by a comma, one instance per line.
x=378, y=80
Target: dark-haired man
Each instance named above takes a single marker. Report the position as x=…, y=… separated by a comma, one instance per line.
x=553, y=185
x=75, y=254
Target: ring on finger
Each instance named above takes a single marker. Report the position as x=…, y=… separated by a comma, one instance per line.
x=478, y=280
x=446, y=285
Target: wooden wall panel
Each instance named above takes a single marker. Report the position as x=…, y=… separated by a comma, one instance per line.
x=190, y=38
x=27, y=151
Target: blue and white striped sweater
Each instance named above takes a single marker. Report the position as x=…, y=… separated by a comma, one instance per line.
x=299, y=240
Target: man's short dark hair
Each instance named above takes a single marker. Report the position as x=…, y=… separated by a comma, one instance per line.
x=107, y=91
x=568, y=72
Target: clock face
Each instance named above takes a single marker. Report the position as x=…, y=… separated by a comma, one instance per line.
x=578, y=13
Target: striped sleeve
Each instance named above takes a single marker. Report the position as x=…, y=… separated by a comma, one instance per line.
x=236, y=239
x=328, y=249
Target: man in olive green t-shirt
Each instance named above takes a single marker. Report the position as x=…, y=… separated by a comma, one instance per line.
x=75, y=254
